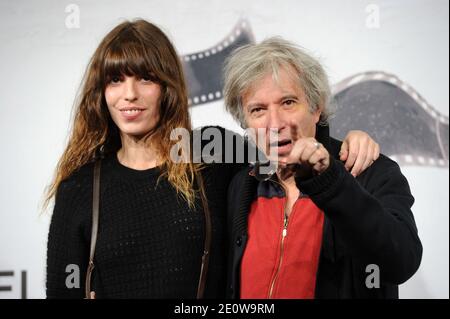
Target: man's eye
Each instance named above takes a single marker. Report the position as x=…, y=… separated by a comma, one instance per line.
x=256, y=110
x=146, y=79
x=289, y=102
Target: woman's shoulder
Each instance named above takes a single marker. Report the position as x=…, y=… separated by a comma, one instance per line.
x=78, y=180
x=82, y=173
x=73, y=199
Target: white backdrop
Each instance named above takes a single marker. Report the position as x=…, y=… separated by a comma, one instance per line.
x=45, y=49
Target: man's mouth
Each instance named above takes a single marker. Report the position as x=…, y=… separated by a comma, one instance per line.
x=281, y=143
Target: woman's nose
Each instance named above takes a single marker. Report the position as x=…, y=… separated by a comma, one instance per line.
x=130, y=90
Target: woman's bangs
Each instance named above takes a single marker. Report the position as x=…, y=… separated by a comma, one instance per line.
x=126, y=59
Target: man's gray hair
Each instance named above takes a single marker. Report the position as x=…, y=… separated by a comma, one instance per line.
x=250, y=63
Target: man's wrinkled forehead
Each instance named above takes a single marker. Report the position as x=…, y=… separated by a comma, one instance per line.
x=289, y=84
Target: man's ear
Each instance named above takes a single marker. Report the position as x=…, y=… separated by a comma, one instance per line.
x=316, y=115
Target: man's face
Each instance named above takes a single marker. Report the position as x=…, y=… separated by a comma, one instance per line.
x=275, y=106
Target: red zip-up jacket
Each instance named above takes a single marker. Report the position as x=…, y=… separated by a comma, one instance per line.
x=282, y=253
x=367, y=220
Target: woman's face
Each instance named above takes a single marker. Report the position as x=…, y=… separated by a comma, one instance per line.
x=134, y=104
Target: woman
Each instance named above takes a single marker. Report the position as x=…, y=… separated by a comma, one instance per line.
x=151, y=231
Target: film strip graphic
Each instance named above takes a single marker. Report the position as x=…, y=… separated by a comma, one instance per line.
x=203, y=69
x=406, y=126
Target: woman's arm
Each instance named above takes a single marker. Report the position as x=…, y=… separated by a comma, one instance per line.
x=358, y=151
x=67, y=249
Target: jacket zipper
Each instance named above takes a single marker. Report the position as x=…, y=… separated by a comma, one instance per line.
x=284, y=234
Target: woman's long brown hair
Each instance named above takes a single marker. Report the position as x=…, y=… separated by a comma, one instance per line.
x=132, y=48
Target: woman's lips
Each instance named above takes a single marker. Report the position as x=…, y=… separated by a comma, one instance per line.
x=131, y=114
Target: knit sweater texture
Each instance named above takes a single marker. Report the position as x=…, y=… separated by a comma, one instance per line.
x=150, y=243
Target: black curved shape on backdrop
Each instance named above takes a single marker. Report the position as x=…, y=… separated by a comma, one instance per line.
x=203, y=69
x=403, y=123
x=407, y=128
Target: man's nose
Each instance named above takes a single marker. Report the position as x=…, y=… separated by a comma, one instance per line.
x=276, y=121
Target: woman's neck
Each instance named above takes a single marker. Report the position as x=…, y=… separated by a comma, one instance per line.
x=136, y=153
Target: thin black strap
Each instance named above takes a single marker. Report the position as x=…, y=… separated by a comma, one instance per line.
x=207, y=245
x=95, y=214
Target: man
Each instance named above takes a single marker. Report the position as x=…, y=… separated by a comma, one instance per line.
x=312, y=230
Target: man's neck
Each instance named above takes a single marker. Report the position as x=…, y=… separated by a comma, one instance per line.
x=292, y=192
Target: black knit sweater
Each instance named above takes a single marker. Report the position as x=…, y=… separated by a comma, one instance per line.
x=149, y=242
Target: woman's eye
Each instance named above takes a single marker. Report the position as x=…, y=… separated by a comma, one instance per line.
x=115, y=79
x=146, y=78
